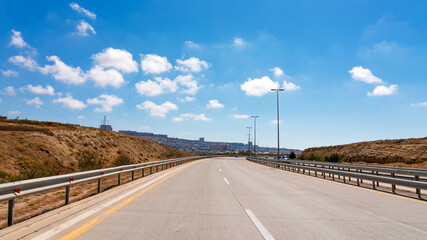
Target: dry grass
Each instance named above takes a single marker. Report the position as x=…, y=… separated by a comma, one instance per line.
x=32, y=149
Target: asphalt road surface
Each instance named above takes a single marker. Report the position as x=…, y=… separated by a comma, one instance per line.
x=231, y=198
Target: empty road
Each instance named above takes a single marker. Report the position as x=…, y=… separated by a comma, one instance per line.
x=231, y=198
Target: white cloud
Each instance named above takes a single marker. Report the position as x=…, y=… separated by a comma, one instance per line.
x=17, y=40
x=81, y=117
x=365, y=75
x=144, y=128
x=177, y=119
x=116, y=58
x=104, y=78
x=240, y=116
x=107, y=102
x=187, y=99
x=9, y=91
x=384, y=90
x=154, y=64
x=420, y=104
x=288, y=86
x=258, y=86
x=239, y=42
x=191, y=44
x=49, y=90
x=275, y=122
x=36, y=102
x=195, y=117
x=70, y=102
x=191, y=65
x=62, y=72
x=157, y=110
x=9, y=73
x=277, y=72
x=153, y=88
x=189, y=83
x=214, y=104
x=14, y=113
x=385, y=47
x=25, y=62
x=83, y=29
x=79, y=9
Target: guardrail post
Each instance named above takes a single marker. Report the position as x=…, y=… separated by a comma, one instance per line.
x=378, y=183
x=393, y=186
x=361, y=180
x=373, y=182
x=417, y=178
x=142, y=172
x=315, y=173
x=339, y=176
x=349, y=176
x=157, y=168
x=118, y=179
x=133, y=175
x=67, y=195
x=10, y=212
x=343, y=178
x=99, y=185
x=151, y=170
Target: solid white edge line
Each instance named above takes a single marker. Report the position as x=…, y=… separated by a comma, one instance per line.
x=398, y=223
x=264, y=232
x=226, y=181
x=71, y=222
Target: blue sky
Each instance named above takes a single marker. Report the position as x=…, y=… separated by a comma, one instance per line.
x=352, y=70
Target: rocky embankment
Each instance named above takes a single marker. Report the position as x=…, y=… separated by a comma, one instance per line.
x=31, y=149
x=400, y=152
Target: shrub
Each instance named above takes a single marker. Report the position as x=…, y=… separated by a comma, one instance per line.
x=292, y=155
x=333, y=157
x=122, y=159
x=31, y=169
x=89, y=160
x=314, y=157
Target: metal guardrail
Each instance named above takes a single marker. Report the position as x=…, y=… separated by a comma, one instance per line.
x=10, y=191
x=407, y=177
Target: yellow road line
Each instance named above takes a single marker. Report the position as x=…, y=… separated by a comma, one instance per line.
x=349, y=185
x=80, y=230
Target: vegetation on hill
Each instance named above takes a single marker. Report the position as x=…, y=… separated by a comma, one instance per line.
x=31, y=149
x=400, y=152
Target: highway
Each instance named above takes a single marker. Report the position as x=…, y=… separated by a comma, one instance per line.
x=231, y=198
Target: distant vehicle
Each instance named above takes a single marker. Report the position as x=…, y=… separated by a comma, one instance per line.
x=285, y=158
x=236, y=156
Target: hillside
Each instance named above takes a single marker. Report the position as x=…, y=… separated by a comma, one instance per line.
x=31, y=149
x=401, y=152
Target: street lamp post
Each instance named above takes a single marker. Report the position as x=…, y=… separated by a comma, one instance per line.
x=278, y=138
x=249, y=139
x=254, y=117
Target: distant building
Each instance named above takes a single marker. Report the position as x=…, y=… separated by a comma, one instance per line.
x=104, y=125
x=201, y=139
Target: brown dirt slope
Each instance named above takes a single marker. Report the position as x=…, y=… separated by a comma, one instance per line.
x=30, y=149
x=400, y=152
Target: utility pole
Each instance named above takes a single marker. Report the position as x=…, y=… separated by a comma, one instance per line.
x=249, y=139
x=254, y=117
x=278, y=121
